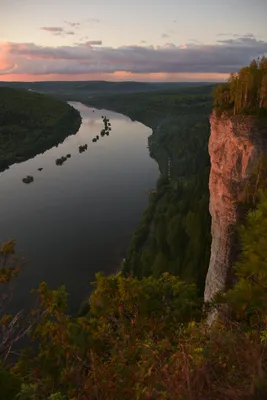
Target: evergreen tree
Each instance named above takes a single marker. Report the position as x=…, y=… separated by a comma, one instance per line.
x=248, y=297
x=245, y=92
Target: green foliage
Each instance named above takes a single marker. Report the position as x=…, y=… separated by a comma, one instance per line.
x=124, y=315
x=174, y=233
x=147, y=338
x=245, y=92
x=151, y=108
x=11, y=328
x=31, y=123
x=8, y=262
x=141, y=304
x=248, y=297
x=31, y=392
x=142, y=333
x=82, y=90
x=140, y=340
x=28, y=392
x=9, y=384
x=256, y=183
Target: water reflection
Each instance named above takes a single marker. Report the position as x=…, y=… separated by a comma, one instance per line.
x=77, y=219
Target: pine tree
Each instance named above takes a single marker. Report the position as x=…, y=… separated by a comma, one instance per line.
x=245, y=92
x=248, y=297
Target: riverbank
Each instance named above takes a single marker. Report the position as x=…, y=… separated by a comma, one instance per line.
x=173, y=234
x=75, y=219
x=31, y=123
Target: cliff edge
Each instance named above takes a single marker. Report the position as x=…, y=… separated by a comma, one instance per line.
x=235, y=146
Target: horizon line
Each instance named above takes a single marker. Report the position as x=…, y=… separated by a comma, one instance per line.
x=114, y=81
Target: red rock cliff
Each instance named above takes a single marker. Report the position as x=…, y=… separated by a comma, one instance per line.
x=235, y=146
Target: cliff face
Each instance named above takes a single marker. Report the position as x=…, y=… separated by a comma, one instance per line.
x=235, y=146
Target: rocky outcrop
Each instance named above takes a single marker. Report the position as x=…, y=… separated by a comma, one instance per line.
x=235, y=146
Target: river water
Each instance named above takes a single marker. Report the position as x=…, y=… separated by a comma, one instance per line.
x=76, y=219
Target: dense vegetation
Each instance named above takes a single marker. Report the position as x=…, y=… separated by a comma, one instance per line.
x=245, y=92
x=31, y=123
x=143, y=333
x=142, y=339
x=82, y=90
x=151, y=108
x=174, y=233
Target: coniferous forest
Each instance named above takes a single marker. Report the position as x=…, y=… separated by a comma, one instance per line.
x=31, y=123
x=141, y=338
x=174, y=232
x=245, y=91
x=143, y=333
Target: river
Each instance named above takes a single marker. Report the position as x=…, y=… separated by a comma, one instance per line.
x=76, y=219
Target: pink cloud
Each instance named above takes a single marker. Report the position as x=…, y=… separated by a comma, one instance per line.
x=219, y=59
x=122, y=76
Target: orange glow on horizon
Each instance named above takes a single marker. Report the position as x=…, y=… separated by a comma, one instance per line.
x=117, y=76
x=11, y=60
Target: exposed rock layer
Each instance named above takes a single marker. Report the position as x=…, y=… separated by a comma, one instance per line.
x=235, y=146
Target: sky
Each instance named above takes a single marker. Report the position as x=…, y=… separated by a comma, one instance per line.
x=142, y=40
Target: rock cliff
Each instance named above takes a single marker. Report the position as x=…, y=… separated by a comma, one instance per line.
x=235, y=145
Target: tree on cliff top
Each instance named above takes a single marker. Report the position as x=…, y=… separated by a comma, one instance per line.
x=246, y=90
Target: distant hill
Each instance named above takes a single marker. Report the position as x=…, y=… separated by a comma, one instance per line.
x=31, y=123
x=134, y=104
x=95, y=88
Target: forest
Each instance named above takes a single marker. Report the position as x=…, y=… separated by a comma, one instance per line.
x=82, y=90
x=31, y=123
x=141, y=338
x=245, y=92
x=144, y=333
x=174, y=232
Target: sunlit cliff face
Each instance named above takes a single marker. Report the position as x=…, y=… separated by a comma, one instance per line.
x=235, y=146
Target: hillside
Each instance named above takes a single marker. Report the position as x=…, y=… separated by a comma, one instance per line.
x=143, y=332
x=150, y=108
x=174, y=233
x=31, y=123
x=238, y=151
x=77, y=90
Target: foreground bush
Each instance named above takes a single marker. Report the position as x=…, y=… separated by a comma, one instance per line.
x=142, y=339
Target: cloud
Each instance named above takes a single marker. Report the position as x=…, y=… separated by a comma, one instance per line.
x=237, y=35
x=73, y=24
x=223, y=57
x=244, y=41
x=53, y=29
x=96, y=20
x=57, y=30
x=82, y=39
x=224, y=34
x=93, y=43
x=246, y=35
x=165, y=36
x=195, y=41
x=89, y=43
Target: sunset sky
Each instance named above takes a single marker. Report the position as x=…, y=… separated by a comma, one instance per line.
x=144, y=40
